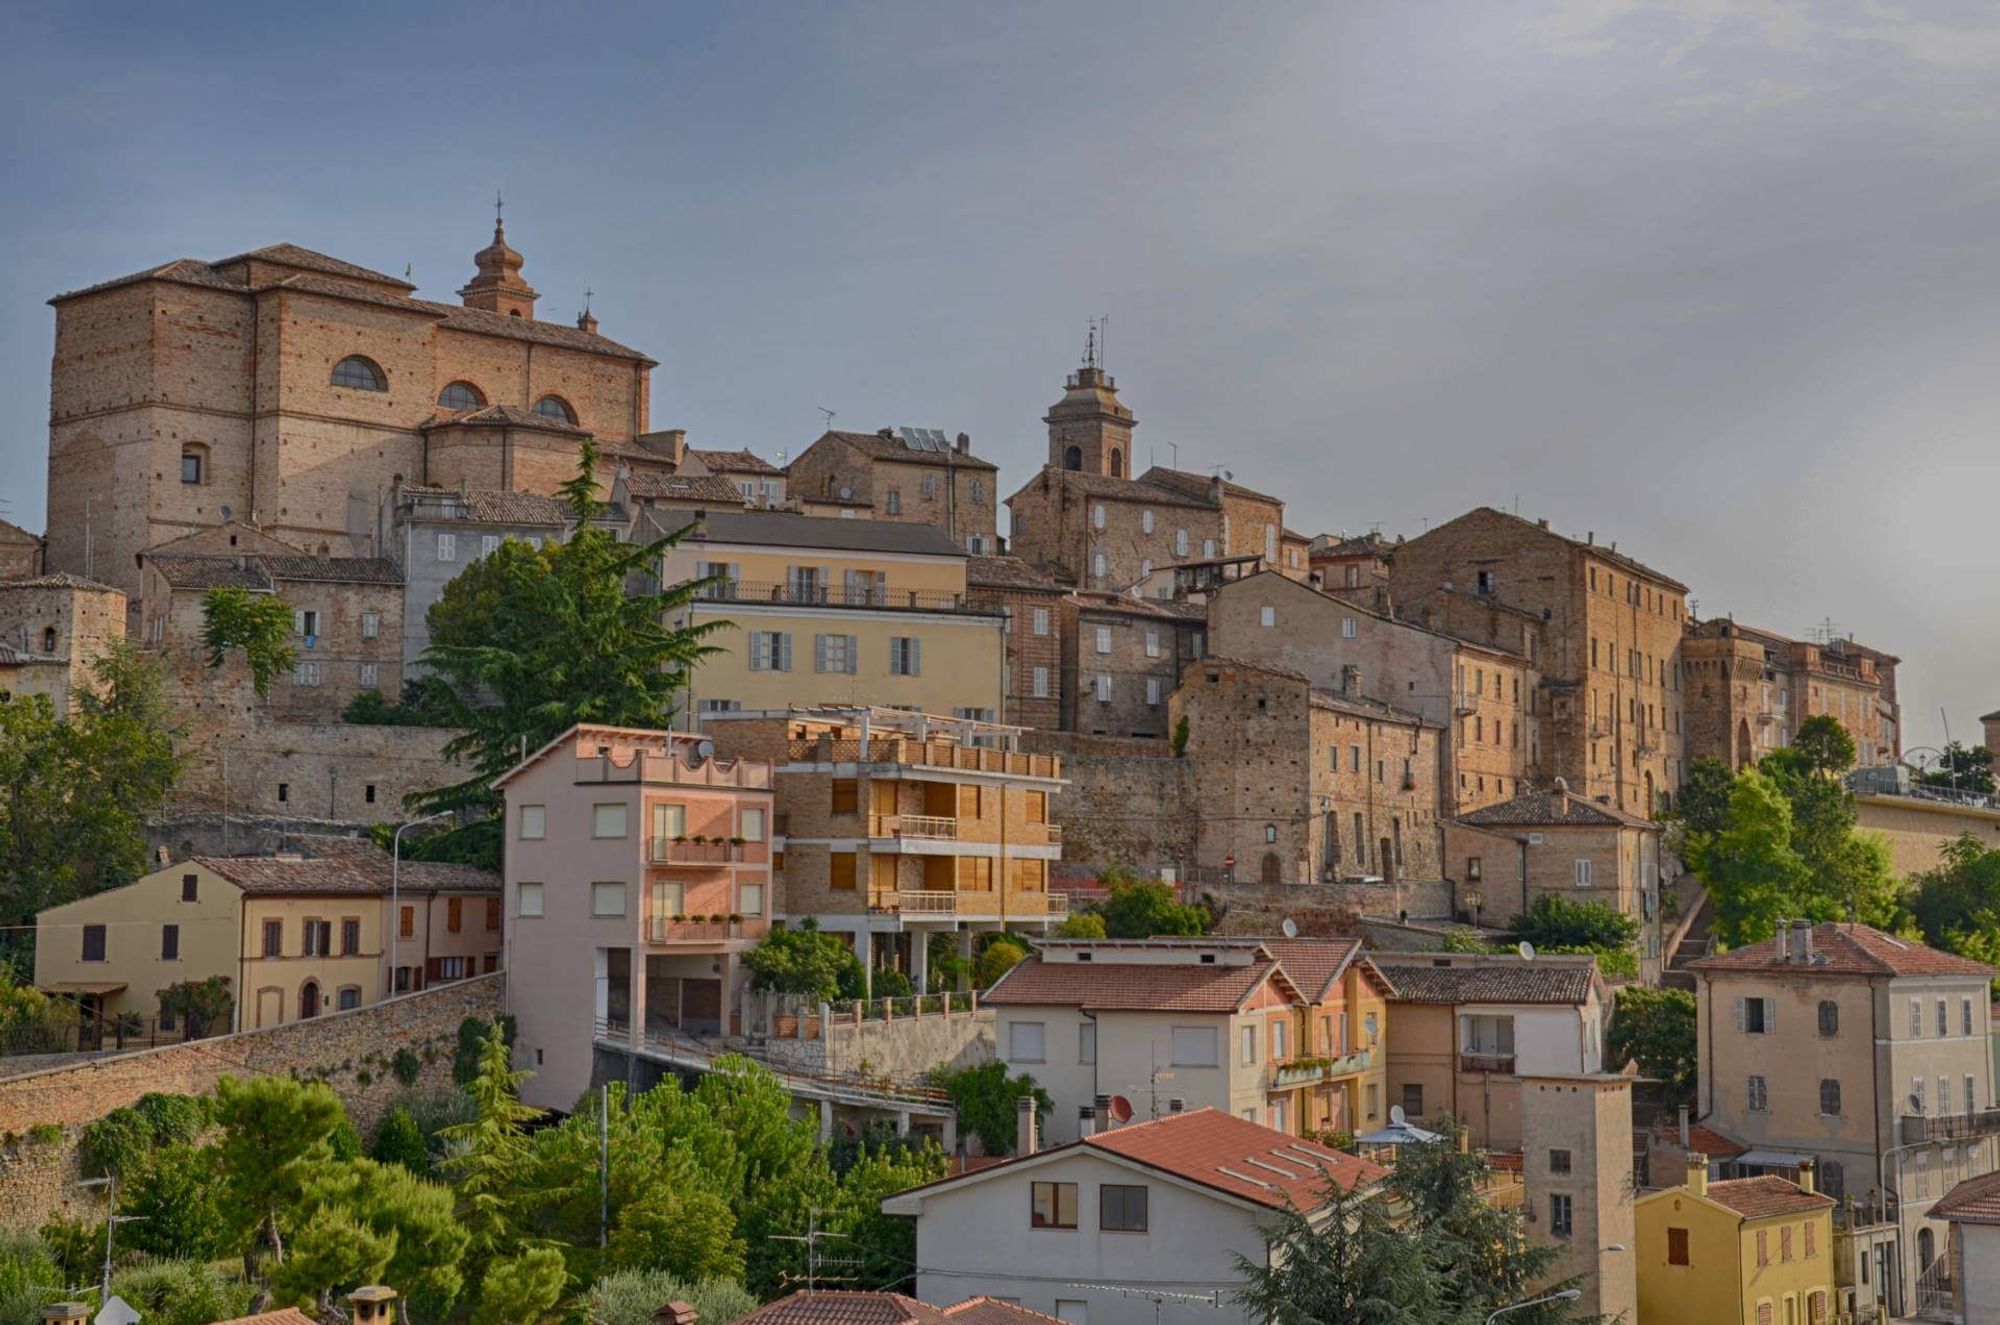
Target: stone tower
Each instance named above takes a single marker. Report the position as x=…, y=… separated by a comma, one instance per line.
x=498, y=288
x=1089, y=429
x=1576, y=1160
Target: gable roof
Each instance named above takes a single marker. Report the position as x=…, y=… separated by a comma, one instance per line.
x=283, y=1316
x=61, y=579
x=1199, y=486
x=344, y=866
x=213, y=570
x=1702, y=1140
x=210, y=571
x=784, y=529
x=13, y=533
x=1843, y=949
x=498, y=506
x=1116, y=489
x=1125, y=604
x=294, y=255
x=825, y=1306
x=1552, y=808
x=1974, y=1201
x=1008, y=573
x=1602, y=551
x=1766, y=1195
x=1315, y=965
x=1540, y=981
x=893, y=448
x=712, y=488
x=735, y=462
x=334, y=570
x=1134, y=986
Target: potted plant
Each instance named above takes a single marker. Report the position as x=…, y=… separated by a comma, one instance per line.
x=736, y=841
x=680, y=837
x=680, y=919
x=735, y=918
x=718, y=920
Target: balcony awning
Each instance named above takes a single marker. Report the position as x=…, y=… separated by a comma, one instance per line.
x=1769, y=1159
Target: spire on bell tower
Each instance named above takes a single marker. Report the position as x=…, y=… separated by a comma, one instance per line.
x=498, y=288
x=1090, y=429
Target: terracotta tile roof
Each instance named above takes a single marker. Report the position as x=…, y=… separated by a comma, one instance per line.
x=992, y=1311
x=1124, y=604
x=1768, y=1194
x=736, y=462
x=1313, y=964
x=1701, y=1140
x=712, y=488
x=1974, y=1201
x=285, y=1316
x=61, y=579
x=344, y=866
x=263, y=875
x=784, y=529
x=181, y=271
x=503, y=416
x=197, y=571
x=833, y=1307
x=1007, y=573
x=496, y=506
x=894, y=448
x=292, y=255
x=1199, y=485
x=1130, y=987
x=1117, y=489
x=1553, y=809
x=1236, y=1156
x=13, y=657
x=333, y=570
x=1502, y=982
x=1845, y=949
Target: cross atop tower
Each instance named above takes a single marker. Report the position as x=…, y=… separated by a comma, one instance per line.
x=499, y=207
x=1090, y=346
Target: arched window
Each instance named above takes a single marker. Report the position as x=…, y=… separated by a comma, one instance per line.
x=48, y=639
x=194, y=463
x=350, y=997
x=309, y=999
x=1073, y=457
x=1117, y=463
x=1270, y=832
x=461, y=395
x=359, y=373
x=555, y=407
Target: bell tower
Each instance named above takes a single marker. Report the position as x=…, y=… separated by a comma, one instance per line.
x=498, y=288
x=1089, y=429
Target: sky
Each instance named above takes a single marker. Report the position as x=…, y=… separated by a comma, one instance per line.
x=1714, y=279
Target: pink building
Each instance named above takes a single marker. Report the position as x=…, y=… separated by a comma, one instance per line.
x=638, y=871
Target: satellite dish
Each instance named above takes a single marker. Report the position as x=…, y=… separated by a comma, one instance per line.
x=1121, y=1109
x=224, y=511
x=1290, y=929
x=1396, y=1115
x=1527, y=951
x=1916, y=1103
x=703, y=752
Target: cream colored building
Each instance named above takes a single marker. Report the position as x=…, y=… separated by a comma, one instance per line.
x=295, y=935
x=832, y=611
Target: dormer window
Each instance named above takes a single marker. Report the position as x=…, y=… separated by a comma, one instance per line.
x=555, y=407
x=461, y=395
x=359, y=373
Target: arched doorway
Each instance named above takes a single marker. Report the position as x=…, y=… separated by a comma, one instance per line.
x=1073, y=457
x=1269, y=870
x=309, y=999
x=1926, y=1250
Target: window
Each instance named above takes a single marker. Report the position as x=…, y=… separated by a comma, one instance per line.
x=1829, y=1017
x=350, y=936
x=1348, y=627
x=1146, y=521
x=534, y=822
x=359, y=373
x=1097, y=565
x=1559, y=1161
x=1267, y=616
x=1041, y=621
x=316, y=938
x=1759, y=1016
x=607, y=899
x=1785, y=1243
x=371, y=625
x=1560, y=1216
x=1180, y=542
x=905, y=656
x=840, y=871
x=1812, y=1243
x=191, y=464
x=1916, y=1018
x=1052, y=1205
x=555, y=407
x=488, y=544
x=1486, y=582
x=930, y=487
x=1086, y=1040
x=1194, y=1046
x=607, y=820
x=1763, y=1253
x=369, y=674
x=190, y=885
x=1413, y=1097
x=1153, y=644
x=460, y=395
x=1152, y=692
x=528, y=900
x=1097, y=516
x=1121, y=1209
x=895, y=501
x=1943, y=1019
x=447, y=547
x=1829, y=1098
x=1965, y=1016
x=1104, y=687
x=845, y=796
x=752, y=899
x=1917, y=1094
x=1971, y=1095
x=770, y=651
x=170, y=943
x=1246, y=1045
x=1026, y=1042
x=1677, y=1246
x=1756, y=1096
x=753, y=825
x=1104, y=639
x=305, y=674
x=978, y=491
x=274, y=938
x=1041, y=680
x=349, y=997
x=284, y=792
x=454, y=914
x=1280, y=1034
x=1583, y=873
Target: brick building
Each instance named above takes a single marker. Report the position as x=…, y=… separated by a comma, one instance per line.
x=761, y=483
x=51, y=629
x=1032, y=605
x=20, y=553
x=1355, y=569
x=1122, y=656
x=292, y=388
x=1297, y=784
x=1611, y=631
x=913, y=474
x=1749, y=689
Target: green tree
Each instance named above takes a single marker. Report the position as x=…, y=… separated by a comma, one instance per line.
x=999, y=955
x=428, y=1245
x=275, y=1140
x=1824, y=745
x=1082, y=925
x=180, y=1292
x=805, y=960
x=1963, y=768
x=1349, y=1265
x=522, y=1289
x=630, y=1297
x=533, y=640
x=1752, y=870
x=1656, y=1029
x=491, y=1153
x=680, y=1228
x=1145, y=908
x=988, y=1102
x=398, y=1140
x=1956, y=903
x=176, y=1199
x=332, y=1251
x=884, y=1245
x=258, y=624
x=1552, y=921
x=1703, y=804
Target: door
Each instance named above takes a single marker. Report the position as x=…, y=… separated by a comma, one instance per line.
x=309, y=999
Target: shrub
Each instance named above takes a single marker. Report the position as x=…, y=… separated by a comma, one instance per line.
x=203, y=1006
x=630, y=1297
x=45, y=1134
x=996, y=959
x=888, y=982
x=988, y=1103
x=1556, y=922
x=406, y=1067
x=182, y=1292
x=472, y=1033
x=178, y=1203
x=805, y=961
x=399, y=1141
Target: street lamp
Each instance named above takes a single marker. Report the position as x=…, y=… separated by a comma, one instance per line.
x=395, y=882
x=1566, y=1295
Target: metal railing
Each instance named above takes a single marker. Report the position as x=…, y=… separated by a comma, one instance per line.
x=905, y=1007
x=704, y=928
x=1950, y=1126
x=676, y=1045
x=934, y=902
x=929, y=827
x=644, y=766
x=921, y=754
x=680, y=851
x=805, y=593
x=1936, y=1285
x=1471, y=1062
x=1306, y=1070
x=93, y=1035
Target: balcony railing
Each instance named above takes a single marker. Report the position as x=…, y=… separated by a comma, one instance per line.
x=679, y=851
x=808, y=594
x=921, y=754
x=1305, y=1071
x=930, y=827
x=1478, y=1062
x=1950, y=1126
x=644, y=766
x=1019, y=905
x=704, y=929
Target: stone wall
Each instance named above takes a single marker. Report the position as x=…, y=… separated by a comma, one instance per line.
x=1327, y=908
x=350, y=1051
x=1128, y=802
x=903, y=1047
x=332, y=772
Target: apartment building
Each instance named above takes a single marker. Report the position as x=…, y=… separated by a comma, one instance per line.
x=1122, y=656
x=1611, y=630
x=1303, y=785
x=1470, y=1026
x=325, y=928
x=1741, y=1251
x=1748, y=690
x=1213, y=1023
x=639, y=869
x=897, y=827
x=1031, y=603
x=907, y=474
x=1488, y=696
x=828, y=611
x=1090, y=1230
x=1863, y=1053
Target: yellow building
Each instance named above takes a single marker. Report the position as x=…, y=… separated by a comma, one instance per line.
x=295, y=934
x=833, y=612
x=1758, y=1251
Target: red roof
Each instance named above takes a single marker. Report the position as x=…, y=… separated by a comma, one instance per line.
x=1974, y=1201
x=1314, y=964
x=1846, y=949
x=1133, y=986
x=1236, y=1156
x=1766, y=1195
x=834, y=1307
x=1703, y=1141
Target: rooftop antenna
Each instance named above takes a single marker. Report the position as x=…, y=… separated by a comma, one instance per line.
x=829, y=416
x=409, y=270
x=1103, y=321
x=1176, y=448
x=1090, y=346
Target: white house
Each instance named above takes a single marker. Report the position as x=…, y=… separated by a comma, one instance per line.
x=1095, y=1230
x=1973, y=1210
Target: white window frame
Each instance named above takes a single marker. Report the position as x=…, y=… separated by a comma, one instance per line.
x=1152, y=644
x=1146, y=520
x=1041, y=621
x=530, y=901
x=1041, y=683
x=1582, y=868
x=1267, y=616
x=603, y=814
x=371, y=625
x=534, y=823
x=447, y=547
x=607, y=901
x=1104, y=639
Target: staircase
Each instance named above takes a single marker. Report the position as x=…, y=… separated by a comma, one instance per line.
x=1690, y=942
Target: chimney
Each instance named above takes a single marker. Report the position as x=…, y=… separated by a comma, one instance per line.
x=1024, y=1126
x=1684, y=1127
x=1086, y=1120
x=1591, y=538
x=965, y=443
x=586, y=321
x=1542, y=523
x=372, y=1304
x=1215, y=494
x=1806, y=1167
x=1350, y=679
x=1784, y=938
x=66, y=1313
x=1177, y=1104
x=1697, y=1178
x=1103, y=1111
x=1802, y=941
x=1562, y=798
x=885, y=434
x=675, y=1313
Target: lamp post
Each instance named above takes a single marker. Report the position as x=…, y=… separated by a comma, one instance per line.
x=1566, y=1295
x=395, y=889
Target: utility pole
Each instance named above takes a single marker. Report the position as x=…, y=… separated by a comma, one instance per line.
x=603, y=1164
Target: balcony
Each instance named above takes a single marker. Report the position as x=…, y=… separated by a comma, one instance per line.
x=1486, y=1062
x=1307, y=1071
x=685, y=851
x=927, y=827
x=921, y=754
x=704, y=929
x=945, y=905
x=651, y=768
x=807, y=594
x=1918, y=1128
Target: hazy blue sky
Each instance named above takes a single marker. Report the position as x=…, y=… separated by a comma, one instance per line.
x=1713, y=278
